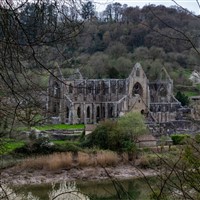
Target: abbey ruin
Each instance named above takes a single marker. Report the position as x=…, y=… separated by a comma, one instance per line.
x=76, y=100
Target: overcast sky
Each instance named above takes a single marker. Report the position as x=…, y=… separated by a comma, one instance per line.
x=191, y=5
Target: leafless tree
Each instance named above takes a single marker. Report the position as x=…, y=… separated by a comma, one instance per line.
x=29, y=31
x=179, y=178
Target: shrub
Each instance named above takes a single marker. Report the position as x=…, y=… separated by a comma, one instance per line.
x=117, y=135
x=37, y=146
x=100, y=137
x=44, y=146
x=179, y=138
x=184, y=99
x=64, y=146
x=149, y=161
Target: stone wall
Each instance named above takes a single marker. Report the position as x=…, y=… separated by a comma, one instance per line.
x=76, y=100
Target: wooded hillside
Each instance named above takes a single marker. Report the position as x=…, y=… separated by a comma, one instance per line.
x=108, y=44
x=155, y=36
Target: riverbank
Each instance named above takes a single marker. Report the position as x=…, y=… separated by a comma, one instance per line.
x=16, y=176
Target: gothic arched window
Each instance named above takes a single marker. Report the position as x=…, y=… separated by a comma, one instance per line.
x=70, y=88
x=56, y=90
x=98, y=112
x=79, y=112
x=56, y=107
x=88, y=112
x=137, y=89
x=67, y=112
x=110, y=110
x=113, y=87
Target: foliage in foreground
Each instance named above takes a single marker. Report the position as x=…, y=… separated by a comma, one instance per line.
x=118, y=135
x=178, y=178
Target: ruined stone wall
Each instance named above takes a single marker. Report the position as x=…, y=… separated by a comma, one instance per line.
x=55, y=100
x=195, y=105
x=77, y=100
x=138, y=89
x=96, y=90
x=163, y=105
x=90, y=101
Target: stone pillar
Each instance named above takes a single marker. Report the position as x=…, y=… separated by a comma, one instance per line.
x=94, y=88
x=118, y=109
x=116, y=88
x=106, y=110
x=84, y=114
x=85, y=88
x=167, y=116
x=94, y=113
x=115, y=110
x=163, y=117
x=109, y=88
x=71, y=121
x=70, y=117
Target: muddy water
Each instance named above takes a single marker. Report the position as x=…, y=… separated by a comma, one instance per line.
x=98, y=190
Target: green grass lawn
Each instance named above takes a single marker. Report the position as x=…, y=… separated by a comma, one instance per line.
x=191, y=93
x=60, y=127
x=7, y=146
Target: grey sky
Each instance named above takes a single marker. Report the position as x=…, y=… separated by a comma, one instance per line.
x=191, y=5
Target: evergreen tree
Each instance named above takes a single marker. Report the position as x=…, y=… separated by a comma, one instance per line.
x=182, y=98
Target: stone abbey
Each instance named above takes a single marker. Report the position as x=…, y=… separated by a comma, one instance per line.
x=77, y=100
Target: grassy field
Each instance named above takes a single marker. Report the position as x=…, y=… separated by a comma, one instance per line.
x=52, y=127
x=60, y=127
x=8, y=146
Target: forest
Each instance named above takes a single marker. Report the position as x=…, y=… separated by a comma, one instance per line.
x=37, y=36
x=108, y=44
x=155, y=36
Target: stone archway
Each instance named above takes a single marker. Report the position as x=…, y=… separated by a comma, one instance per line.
x=56, y=106
x=67, y=112
x=137, y=89
x=88, y=112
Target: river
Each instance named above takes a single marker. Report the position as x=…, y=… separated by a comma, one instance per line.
x=98, y=190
